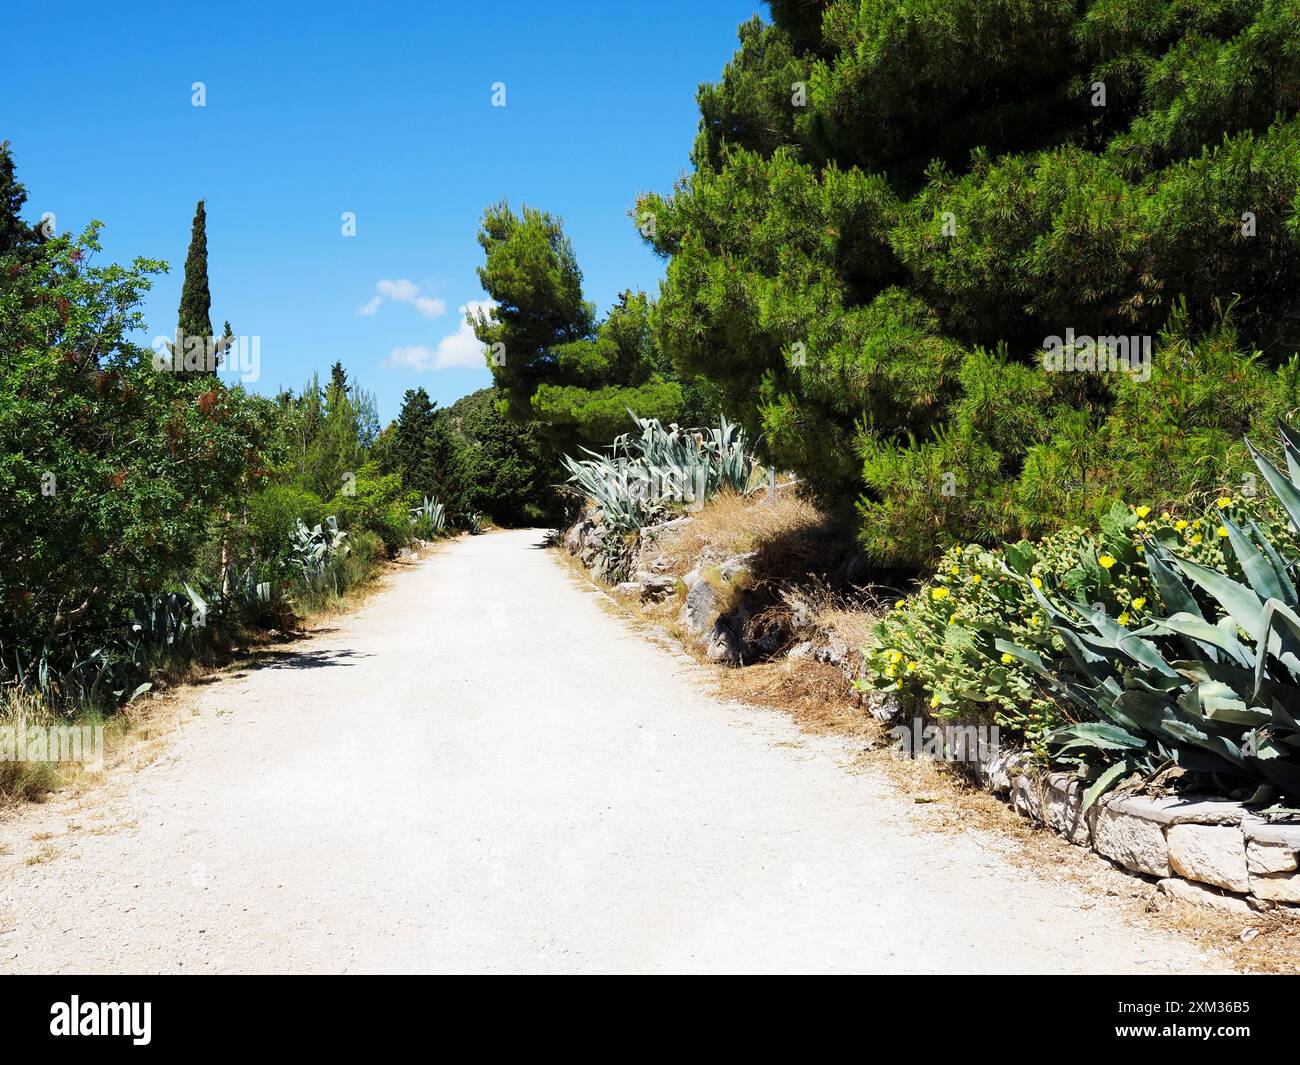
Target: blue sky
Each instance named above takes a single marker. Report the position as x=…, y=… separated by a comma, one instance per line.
x=383, y=110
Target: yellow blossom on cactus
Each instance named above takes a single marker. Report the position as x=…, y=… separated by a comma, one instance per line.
x=1140, y=549
x=1106, y=561
x=1035, y=582
x=1123, y=618
x=955, y=570
x=911, y=667
x=1222, y=502
x=1221, y=531
x=975, y=579
x=1196, y=523
x=1007, y=659
x=1139, y=602
x=1164, y=515
x=1180, y=525
x=1141, y=525
x=938, y=593
x=1142, y=512
x=1196, y=539
x=934, y=699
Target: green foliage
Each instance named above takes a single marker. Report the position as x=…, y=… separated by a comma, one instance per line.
x=941, y=645
x=894, y=205
x=274, y=514
x=16, y=236
x=553, y=362
x=111, y=472
x=502, y=468
x=195, y=314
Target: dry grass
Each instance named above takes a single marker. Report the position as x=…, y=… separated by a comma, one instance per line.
x=733, y=525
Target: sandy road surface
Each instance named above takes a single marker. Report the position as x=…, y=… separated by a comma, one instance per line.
x=483, y=770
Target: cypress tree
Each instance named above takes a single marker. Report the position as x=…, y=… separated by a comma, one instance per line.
x=196, y=299
x=15, y=234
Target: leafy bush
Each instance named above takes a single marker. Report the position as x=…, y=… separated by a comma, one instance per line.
x=273, y=517
x=375, y=503
x=940, y=645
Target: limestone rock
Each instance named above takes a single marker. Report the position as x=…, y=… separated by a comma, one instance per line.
x=1210, y=854
x=1276, y=887
x=1203, y=896
x=1137, y=843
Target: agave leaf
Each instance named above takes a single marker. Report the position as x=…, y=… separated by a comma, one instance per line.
x=1175, y=595
x=1280, y=618
x=1202, y=632
x=1106, y=781
x=1256, y=566
x=1287, y=493
x=1238, y=601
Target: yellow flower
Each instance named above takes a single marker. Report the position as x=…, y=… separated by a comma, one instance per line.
x=1105, y=562
x=1142, y=512
x=1196, y=539
x=1139, y=602
x=891, y=672
x=975, y=579
x=1222, y=502
x=1123, y=618
x=934, y=699
x=1141, y=525
x=955, y=570
x=1180, y=525
x=952, y=618
x=895, y=656
x=1164, y=515
x=1140, y=549
x=1007, y=659
x=1222, y=531
x=911, y=667
x=938, y=593
x=1196, y=523
x=1035, y=582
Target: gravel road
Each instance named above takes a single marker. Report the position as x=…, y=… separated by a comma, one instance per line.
x=484, y=770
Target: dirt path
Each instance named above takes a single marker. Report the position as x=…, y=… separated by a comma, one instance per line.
x=483, y=770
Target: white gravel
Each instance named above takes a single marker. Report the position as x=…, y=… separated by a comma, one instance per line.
x=483, y=770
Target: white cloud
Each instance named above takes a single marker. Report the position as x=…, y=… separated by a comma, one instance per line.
x=461, y=349
x=412, y=357
x=404, y=291
x=430, y=306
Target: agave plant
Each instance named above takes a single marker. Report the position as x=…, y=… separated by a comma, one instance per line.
x=314, y=549
x=1212, y=687
x=430, y=518
x=647, y=470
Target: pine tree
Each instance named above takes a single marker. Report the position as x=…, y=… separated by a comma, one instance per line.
x=196, y=298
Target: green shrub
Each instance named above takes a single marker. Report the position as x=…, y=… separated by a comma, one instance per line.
x=939, y=646
x=375, y=503
x=274, y=514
